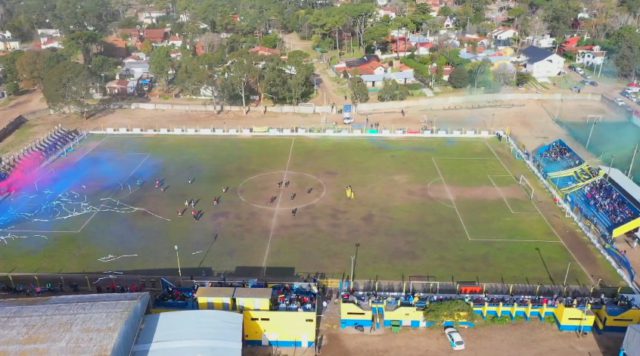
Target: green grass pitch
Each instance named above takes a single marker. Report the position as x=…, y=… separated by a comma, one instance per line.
x=445, y=208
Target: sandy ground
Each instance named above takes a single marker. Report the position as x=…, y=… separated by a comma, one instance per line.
x=522, y=338
x=21, y=105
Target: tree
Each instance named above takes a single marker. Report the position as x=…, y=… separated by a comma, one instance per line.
x=392, y=91
x=271, y=41
x=84, y=42
x=459, y=78
x=480, y=74
x=625, y=45
x=160, y=64
x=192, y=75
x=359, y=91
x=240, y=79
x=33, y=65
x=505, y=74
x=523, y=78
x=11, y=77
x=147, y=47
x=67, y=85
x=450, y=310
x=103, y=67
x=559, y=16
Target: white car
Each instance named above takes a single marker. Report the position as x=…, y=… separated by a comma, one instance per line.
x=579, y=70
x=454, y=338
x=620, y=102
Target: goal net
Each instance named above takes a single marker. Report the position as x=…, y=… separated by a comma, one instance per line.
x=526, y=185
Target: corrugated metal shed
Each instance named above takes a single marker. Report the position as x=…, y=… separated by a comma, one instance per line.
x=97, y=324
x=191, y=332
x=631, y=342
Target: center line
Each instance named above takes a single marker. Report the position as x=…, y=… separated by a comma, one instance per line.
x=274, y=220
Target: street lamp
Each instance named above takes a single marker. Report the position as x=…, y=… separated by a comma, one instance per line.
x=175, y=247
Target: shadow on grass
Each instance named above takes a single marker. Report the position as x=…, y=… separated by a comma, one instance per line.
x=544, y=264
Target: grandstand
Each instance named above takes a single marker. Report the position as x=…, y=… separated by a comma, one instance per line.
x=604, y=203
x=43, y=149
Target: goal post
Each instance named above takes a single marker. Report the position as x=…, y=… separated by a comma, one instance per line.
x=526, y=185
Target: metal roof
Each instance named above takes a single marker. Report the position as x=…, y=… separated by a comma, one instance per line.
x=253, y=293
x=536, y=54
x=215, y=292
x=624, y=182
x=191, y=332
x=98, y=324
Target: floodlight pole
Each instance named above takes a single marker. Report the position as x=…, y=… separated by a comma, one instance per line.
x=633, y=158
x=175, y=247
x=354, y=259
x=566, y=274
x=590, y=133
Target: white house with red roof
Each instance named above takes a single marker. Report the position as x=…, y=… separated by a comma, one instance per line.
x=374, y=72
x=49, y=38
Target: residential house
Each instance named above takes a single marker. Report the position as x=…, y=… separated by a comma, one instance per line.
x=7, y=43
x=503, y=36
x=421, y=44
x=265, y=51
x=541, y=63
x=496, y=58
x=545, y=41
x=373, y=72
x=446, y=71
x=570, y=45
x=135, y=67
x=121, y=87
x=449, y=23
x=49, y=38
x=151, y=16
x=157, y=36
x=114, y=46
x=175, y=40
x=387, y=11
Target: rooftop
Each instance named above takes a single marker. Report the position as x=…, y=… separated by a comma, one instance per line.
x=191, y=332
x=253, y=293
x=215, y=292
x=65, y=325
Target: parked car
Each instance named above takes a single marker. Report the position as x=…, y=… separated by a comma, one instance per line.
x=620, y=102
x=455, y=339
x=579, y=70
x=626, y=94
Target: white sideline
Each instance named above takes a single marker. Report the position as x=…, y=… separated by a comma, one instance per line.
x=295, y=132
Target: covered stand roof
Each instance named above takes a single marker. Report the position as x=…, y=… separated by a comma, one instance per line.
x=191, y=332
x=95, y=324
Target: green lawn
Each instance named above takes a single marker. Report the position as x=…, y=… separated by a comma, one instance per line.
x=446, y=208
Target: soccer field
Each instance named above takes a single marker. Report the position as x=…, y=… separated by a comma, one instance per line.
x=444, y=208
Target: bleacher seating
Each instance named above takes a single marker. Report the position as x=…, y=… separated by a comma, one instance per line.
x=586, y=188
x=47, y=147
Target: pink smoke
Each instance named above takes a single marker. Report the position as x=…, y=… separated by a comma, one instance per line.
x=23, y=175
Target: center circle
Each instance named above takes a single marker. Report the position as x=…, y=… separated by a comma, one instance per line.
x=302, y=190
